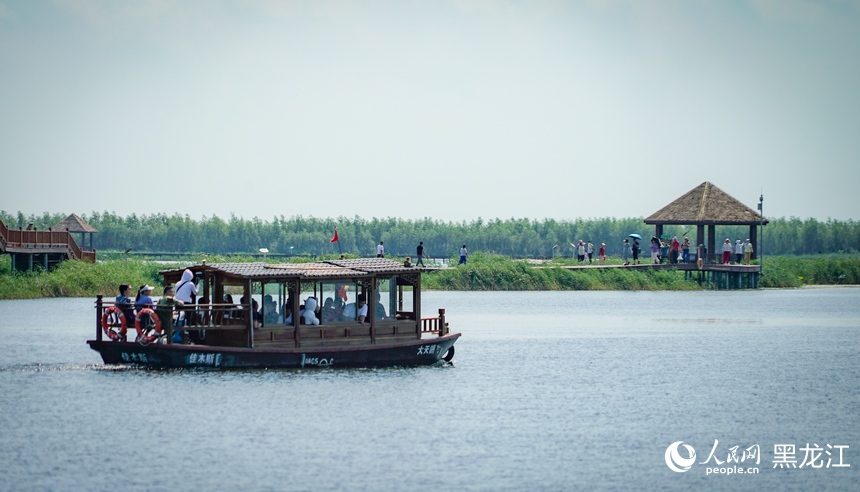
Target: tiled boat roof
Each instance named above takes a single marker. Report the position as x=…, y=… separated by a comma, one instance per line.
x=362, y=267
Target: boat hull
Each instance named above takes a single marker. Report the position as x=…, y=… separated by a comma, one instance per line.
x=413, y=353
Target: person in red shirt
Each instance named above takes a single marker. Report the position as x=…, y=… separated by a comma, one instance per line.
x=601, y=253
x=676, y=248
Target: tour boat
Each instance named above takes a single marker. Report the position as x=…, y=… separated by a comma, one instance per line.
x=217, y=332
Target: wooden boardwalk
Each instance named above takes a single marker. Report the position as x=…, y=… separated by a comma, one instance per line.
x=45, y=248
x=713, y=276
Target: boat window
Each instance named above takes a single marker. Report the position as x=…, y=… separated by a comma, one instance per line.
x=338, y=301
x=272, y=304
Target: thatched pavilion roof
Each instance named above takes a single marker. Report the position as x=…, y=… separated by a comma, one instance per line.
x=74, y=224
x=705, y=204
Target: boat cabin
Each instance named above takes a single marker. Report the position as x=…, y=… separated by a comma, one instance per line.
x=271, y=297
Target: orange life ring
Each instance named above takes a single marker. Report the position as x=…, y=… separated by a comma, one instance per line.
x=155, y=329
x=109, y=322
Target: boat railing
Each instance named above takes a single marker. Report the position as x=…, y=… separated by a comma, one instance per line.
x=232, y=317
x=435, y=325
x=188, y=317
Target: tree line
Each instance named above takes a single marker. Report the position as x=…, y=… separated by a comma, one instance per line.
x=298, y=235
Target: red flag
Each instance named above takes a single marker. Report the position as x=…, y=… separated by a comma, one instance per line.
x=334, y=239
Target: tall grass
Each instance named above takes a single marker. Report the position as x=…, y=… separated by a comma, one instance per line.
x=796, y=271
x=78, y=279
x=482, y=272
x=490, y=272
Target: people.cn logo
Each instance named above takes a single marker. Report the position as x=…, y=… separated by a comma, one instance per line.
x=675, y=461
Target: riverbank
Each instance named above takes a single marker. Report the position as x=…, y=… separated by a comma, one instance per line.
x=483, y=272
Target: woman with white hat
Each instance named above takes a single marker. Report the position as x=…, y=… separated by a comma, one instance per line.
x=142, y=300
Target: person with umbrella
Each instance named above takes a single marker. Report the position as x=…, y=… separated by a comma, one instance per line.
x=635, y=247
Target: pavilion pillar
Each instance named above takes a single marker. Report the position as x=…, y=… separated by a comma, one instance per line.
x=659, y=231
x=712, y=231
x=754, y=241
x=700, y=237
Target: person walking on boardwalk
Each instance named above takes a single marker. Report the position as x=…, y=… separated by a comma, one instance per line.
x=635, y=251
x=589, y=250
x=676, y=248
x=748, y=249
x=655, y=250
x=685, y=251
x=463, y=254
x=419, y=252
x=727, y=251
x=626, y=251
x=380, y=250
x=601, y=253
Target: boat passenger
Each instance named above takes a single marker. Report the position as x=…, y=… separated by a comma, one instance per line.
x=380, y=308
x=186, y=288
x=309, y=316
x=328, y=313
x=124, y=302
x=356, y=311
x=270, y=310
x=142, y=300
x=164, y=311
x=361, y=304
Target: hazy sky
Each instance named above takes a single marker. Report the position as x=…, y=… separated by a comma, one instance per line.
x=445, y=109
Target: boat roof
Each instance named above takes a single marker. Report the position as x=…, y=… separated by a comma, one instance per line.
x=361, y=267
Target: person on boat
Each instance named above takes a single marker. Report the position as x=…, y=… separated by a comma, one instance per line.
x=380, y=250
x=327, y=312
x=186, y=288
x=309, y=315
x=270, y=310
x=287, y=309
x=361, y=305
x=255, y=309
x=380, y=308
x=356, y=311
x=142, y=300
x=164, y=311
x=124, y=302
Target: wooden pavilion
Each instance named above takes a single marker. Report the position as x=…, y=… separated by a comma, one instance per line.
x=32, y=247
x=77, y=225
x=707, y=205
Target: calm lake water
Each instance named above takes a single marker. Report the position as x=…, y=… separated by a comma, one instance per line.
x=548, y=391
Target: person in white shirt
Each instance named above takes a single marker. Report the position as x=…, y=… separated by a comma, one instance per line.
x=380, y=250
x=463, y=254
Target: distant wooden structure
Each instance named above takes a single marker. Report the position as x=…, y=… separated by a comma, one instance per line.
x=32, y=247
x=707, y=205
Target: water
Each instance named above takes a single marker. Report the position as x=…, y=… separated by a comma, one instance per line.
x=549, y=391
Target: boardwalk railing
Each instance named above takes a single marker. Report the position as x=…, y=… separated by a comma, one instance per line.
x=38, y=242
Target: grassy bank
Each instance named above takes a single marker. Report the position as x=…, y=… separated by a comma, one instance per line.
x=77, y=279
x=488, y=272
x=483, y=272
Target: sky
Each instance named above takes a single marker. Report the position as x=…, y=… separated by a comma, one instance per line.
x=447, y=109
